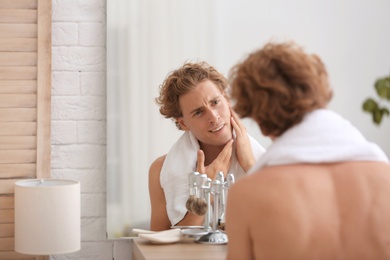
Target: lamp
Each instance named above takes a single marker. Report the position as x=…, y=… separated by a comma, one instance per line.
x=47, y=216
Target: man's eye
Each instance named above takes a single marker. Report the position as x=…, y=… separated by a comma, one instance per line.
x=215, y=102
x=197, y=113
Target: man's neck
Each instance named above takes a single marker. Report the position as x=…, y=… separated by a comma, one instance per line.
x=210, y=152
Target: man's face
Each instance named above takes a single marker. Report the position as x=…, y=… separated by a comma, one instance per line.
x=206, y=114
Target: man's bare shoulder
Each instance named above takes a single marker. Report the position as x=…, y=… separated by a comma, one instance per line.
x=269, y=175
x=308, y=171
x=155, y=168
x=157, y=164
x=259, y=185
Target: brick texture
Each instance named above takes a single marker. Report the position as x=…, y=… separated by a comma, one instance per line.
x=79, y=119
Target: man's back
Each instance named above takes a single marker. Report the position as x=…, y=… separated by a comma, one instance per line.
x=328, y=211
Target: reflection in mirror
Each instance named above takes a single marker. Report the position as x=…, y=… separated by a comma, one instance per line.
x=145, y=41
x=148, y=39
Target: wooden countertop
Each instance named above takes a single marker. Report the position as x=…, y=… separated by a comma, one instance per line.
x=187, y=250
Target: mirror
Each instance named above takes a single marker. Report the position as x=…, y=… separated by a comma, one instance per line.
x=148, y=39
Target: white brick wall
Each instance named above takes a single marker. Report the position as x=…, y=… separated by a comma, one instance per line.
x=79, y=119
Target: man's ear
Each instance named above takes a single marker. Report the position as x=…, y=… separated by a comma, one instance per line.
x=181, y=123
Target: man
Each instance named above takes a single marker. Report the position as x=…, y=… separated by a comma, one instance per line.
x=321, y=191
x=214, y=140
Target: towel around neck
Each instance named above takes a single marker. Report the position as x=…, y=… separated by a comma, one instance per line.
x=323, y=136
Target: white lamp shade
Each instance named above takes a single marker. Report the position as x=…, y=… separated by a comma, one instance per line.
x=47, y=216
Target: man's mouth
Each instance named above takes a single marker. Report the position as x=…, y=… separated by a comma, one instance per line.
x=217, y=128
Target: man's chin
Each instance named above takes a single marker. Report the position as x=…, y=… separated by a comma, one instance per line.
x=227, y=139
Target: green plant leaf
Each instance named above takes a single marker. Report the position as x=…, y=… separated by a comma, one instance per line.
x=377, y=116
x=370, y=105
x=382, y=87
x=385, y=111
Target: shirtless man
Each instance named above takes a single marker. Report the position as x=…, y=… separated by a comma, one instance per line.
x=214, y=140
x=326, y=199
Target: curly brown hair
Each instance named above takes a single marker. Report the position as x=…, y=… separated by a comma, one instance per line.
x=182, y=81
x=277, y=85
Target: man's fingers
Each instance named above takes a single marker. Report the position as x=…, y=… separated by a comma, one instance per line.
x=236, y=123
x=235, y=126
x=200, y=162
x=235, y=117
x=226, y=153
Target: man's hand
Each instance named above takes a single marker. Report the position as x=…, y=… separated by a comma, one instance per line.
x=221, y=163
x=243, y=146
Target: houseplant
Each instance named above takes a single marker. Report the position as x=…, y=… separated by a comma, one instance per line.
x=376, y=108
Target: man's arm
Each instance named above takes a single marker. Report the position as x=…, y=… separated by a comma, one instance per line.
x=159, y=217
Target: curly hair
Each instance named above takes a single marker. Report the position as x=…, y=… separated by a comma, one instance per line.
x=182, y=81
x=277, y=85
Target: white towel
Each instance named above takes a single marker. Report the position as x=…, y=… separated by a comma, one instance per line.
x=322, y=137
x=179, y=162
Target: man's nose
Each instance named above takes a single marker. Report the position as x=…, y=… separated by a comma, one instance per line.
x=213, y=115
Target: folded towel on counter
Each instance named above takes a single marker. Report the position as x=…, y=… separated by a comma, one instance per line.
x=179, y=162
x=322, y=137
